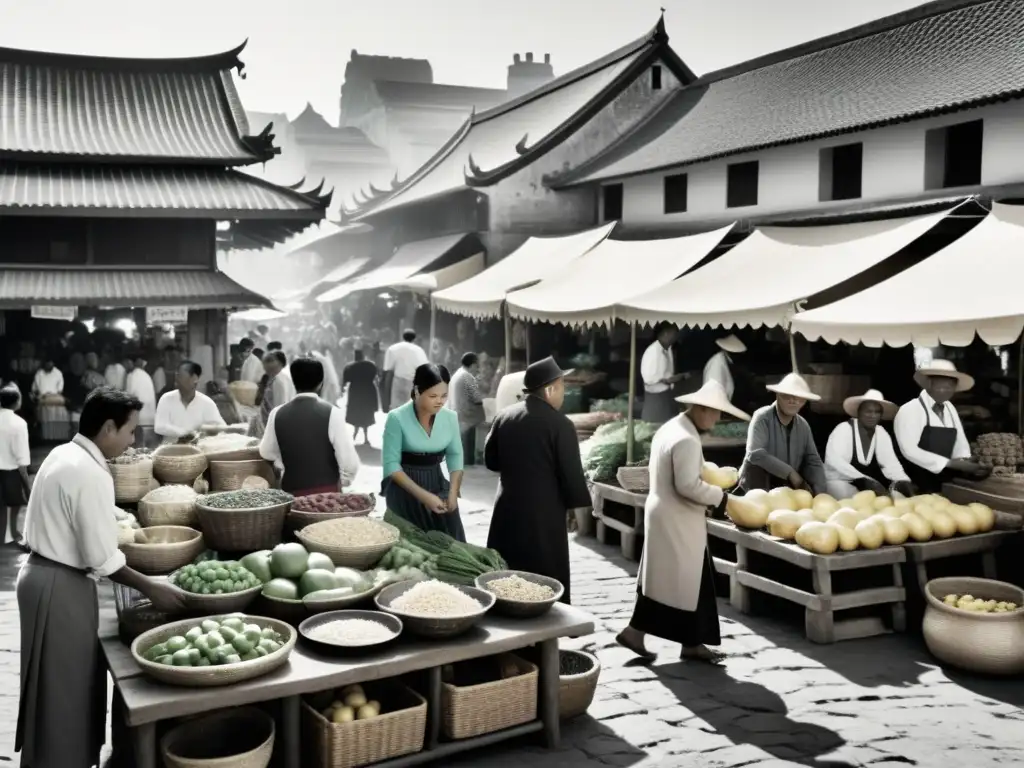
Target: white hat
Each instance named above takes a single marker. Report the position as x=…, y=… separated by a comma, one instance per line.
x=851, y=404
x=712, y=395
x=946, y=370
x=793, y=384
x=731, y=344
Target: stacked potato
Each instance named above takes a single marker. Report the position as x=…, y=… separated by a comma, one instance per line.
x=1003, y=451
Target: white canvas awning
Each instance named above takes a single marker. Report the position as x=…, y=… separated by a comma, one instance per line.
x=483, y=295
x=446, y=277
x=344, y=271
x=257, y=315
x=972, y=286
x=760, y=281
x=585, y=291
x=406, y=262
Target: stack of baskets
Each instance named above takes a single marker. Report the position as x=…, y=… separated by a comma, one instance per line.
x=178, y=464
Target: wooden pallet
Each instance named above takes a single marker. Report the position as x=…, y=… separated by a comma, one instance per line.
x=919, y=554
x=628, y=519
x=821, y=623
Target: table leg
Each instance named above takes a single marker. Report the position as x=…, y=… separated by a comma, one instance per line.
x=144, y=741
x=433, y=707
x=549, y=692
x=290, y=708
x=988, y=565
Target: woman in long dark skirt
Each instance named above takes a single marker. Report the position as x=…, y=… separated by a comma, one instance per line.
x=360, y=376
x=418, y=437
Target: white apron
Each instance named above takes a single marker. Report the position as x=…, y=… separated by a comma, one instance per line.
x=675, y=528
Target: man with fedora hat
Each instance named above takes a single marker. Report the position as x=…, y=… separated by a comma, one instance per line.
x=535, y=449
x=859, y=455
x=718, y=367
x=780, y=447
x=929, y=433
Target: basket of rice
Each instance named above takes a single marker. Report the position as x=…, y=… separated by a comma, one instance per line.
x=317, y=507
x=162, y=548
x=244, y=392
x=350, y=542
x=169, y=505
x=243, y=520
x=178, y=463
x=229, y=446
x=435, y=609
x=521, y=594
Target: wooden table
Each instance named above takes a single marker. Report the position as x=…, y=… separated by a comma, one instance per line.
x=1004, y=494
x=984, y=544
x=147, y=702
x=631, y=532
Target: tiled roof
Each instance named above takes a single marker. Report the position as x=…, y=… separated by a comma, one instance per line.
x=78, y=108
x=436, y=94
x=197, y=289
x=937, y=58
x=195, y=192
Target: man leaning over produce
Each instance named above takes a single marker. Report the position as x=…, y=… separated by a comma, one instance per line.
x=780, y=447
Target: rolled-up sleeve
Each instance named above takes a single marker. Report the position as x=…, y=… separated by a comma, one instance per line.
x=95, y=527
x=453, y=452
x=757, y=446
x=391, y=448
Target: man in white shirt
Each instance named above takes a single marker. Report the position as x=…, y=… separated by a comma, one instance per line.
x=182, y=411
x=252, y=366
x=15, y=459
x=139, y=384
x=658, y=371
x=115, y=374
x=307, y=438
x=400, y=363
x=929, y=433
x=718, y=368
x=48, y=381
x=72, y=535
x=279, y=381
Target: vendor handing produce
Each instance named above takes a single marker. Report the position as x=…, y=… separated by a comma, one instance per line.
x=780, y=447
x=929, y=432
x=859, y=455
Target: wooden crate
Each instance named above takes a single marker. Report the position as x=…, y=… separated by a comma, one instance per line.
x=821, y=623
x=622, y=511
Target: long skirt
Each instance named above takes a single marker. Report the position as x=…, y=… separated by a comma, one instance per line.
x=659, y=407
x=688, y=628
x=63, y=708
x=432, y=479
x=54, y=423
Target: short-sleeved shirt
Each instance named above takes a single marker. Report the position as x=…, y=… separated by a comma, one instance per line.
x=403, y=433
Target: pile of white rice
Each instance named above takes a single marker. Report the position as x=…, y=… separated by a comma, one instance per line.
x=171, y=493
x=437, y=600
x=225, y=442
x=352, y=632
x=517, y=588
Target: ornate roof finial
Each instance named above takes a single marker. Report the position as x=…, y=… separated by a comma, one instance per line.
x=474, y=169
x=521, y=147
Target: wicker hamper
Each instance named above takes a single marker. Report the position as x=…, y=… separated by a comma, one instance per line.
x=478, y=709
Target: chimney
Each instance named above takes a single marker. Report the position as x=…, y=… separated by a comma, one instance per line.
x=525, y=74
x=517, y=59
x=529, y=57
x=547, y=58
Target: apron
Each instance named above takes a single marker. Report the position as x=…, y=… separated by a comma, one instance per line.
x=659, y=407
x=872, y=469
x=937, y=440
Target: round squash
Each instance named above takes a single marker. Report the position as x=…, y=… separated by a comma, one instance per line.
x=722, y=477
x=744, y=512
x=784, y=524
x=895, y=530
x=882, y=502
x=924, y=509
x=891, y=512
x=864, y=497
x=848, y=540
x=802, y=499
x=846, y=517
x=758, y=496
x=966, y=522
x=869, y=534
x=918, y=528
x=781, y=498
x=984, y=515
x=905, y=504
x=827, y=496
x=820, y=538
x=824, y=505
x=943, y=525
x=845, y=503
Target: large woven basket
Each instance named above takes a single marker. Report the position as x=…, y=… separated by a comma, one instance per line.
x=244, y=728
x=223, y=674
x=521, y=609
x=178, y=463
x=229, y=475
x=576, y=689
x=300, y=518
x=398, y=731
x=168, y=512
x=634, y=479
x=170, y=547
x=430, y=626
x=131, y=481
x=244, y=392
x=242, y=530
x=352, y=556
x=989, y=643
x=478, y=709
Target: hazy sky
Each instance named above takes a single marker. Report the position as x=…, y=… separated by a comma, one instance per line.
x=298, y=49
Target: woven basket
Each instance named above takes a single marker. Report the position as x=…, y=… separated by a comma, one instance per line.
x=242, y=530
x=244, y=392
x=398, y=731
x=172, y=547
x=429, y=626
x=521, y=609
x=229, y=475
x=989, y=643
x=576, y=692
x=246, y=728
x=242, y=454
x=634, y=479
x=178, y=464
x=228, y=602
x=223, y=674
x=298, y=519
x=168, y=513
x=131, y=481
x=352, y=557
x=478, y=709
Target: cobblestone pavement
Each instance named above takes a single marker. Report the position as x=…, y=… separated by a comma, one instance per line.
x=777, y=701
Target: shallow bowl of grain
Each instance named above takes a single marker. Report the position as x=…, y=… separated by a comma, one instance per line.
x=522, y=608
x=435, y=627
x=307, y=630
x=163, y=548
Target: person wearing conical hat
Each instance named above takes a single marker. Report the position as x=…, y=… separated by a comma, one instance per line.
x=859, y=455
x=929, y=433
x=718, y=367
x=676, y=589
x=780, y=446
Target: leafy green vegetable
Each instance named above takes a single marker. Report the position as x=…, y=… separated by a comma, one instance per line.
x=605, y=452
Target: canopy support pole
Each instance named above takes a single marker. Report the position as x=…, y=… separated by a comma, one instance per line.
x=792, y=347
x=508, y=337
x=433, y=328
x=529, y=349
x=1020, y=387
x=632, y=392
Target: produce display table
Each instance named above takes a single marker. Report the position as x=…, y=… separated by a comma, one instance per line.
x=984, y=544
x=147, y=702
x=821, y=605
x=629, y=522
x=1004, y=494
x=712, y=442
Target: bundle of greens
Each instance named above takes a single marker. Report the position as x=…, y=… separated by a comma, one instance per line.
x=618, y=405
x=438, y=555
x=605, y=452
x=731, y=429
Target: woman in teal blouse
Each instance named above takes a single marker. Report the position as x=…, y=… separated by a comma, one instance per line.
x=418, y=436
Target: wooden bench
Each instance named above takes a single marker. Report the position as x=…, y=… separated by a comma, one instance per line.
x=629, y=522
x=820, y=606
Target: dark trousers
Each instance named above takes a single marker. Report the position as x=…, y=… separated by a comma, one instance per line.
x=468, y=445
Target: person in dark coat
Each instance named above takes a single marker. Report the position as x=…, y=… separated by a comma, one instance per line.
x=360, y=376
x=535, y=449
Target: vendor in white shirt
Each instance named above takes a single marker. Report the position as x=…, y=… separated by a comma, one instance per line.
x=929, y=433
x=182, y=411
x=658, y=371
x=139, y=384
x=718, y=368
x=48, y=381
x=400, y=363
x=860, y=456
x=252, y=365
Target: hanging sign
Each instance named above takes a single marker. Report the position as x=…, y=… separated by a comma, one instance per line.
x=166, y=315
x=47, y=312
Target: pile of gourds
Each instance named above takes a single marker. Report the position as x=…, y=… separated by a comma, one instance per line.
x=824, y=525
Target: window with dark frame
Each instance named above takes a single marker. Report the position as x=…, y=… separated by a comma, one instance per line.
x=741, y=184
x=953, y=155
x=675, y=193
x=656, y=77
x=612, y=195
x=841, y=172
